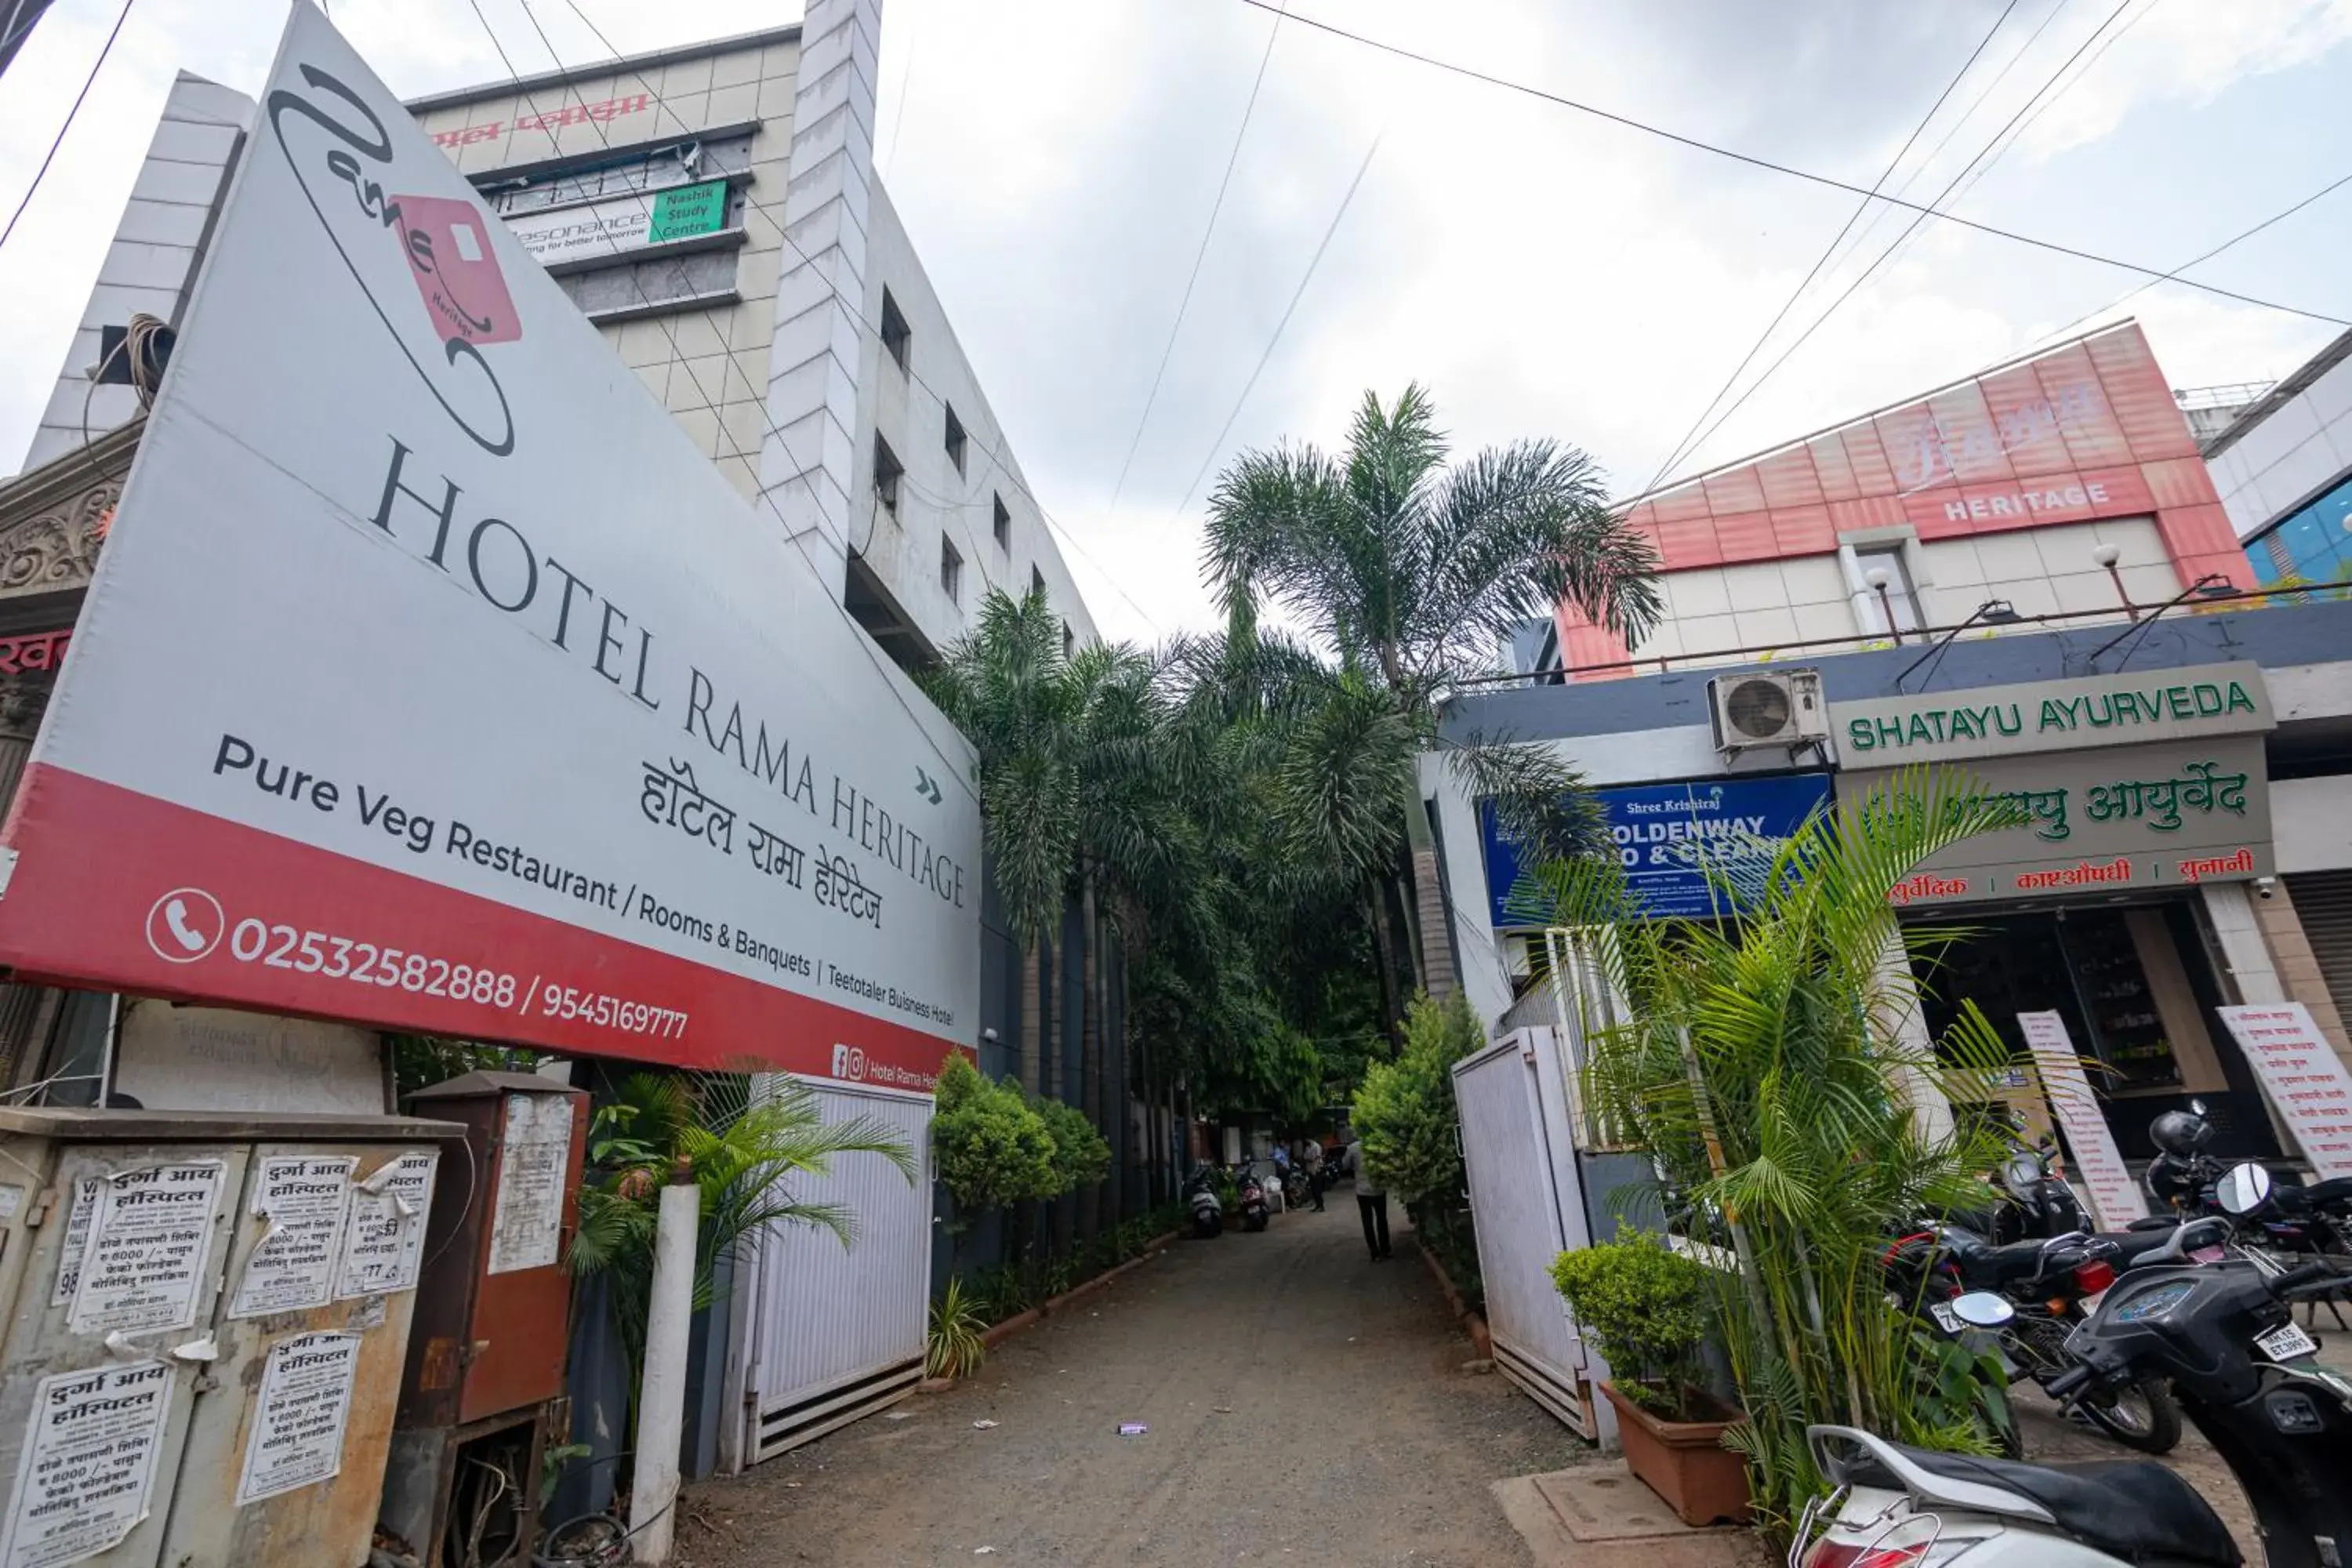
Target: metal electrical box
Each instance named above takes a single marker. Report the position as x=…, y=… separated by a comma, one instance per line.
x=485, y=1375
x=206, y=1316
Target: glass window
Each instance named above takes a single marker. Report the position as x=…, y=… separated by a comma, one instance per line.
x=951, y=572
x=1889, y=586
x=2311, y=544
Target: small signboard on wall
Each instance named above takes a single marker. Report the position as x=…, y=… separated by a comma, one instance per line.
x=2306, y=1079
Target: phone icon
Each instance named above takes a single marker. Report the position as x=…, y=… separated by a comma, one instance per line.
x=175, y=915
x=184, y=925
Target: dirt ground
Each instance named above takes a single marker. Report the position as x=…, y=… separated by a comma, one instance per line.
x=1304, y=1405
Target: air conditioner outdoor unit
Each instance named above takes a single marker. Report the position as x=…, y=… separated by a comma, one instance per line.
x=1782, y=708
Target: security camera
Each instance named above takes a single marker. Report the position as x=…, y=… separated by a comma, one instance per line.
x=2265, y=886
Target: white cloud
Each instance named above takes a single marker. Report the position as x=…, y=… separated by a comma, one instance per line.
x=1545, y=273
x=2185, y=54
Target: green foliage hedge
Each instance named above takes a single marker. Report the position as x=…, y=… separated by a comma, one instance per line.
x=1404, y=1113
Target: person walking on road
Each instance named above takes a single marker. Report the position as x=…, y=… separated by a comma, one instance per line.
x=1312, y=1158
x=1372, y=1203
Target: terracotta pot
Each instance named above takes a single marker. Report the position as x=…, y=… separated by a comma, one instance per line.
x=1684, y=1462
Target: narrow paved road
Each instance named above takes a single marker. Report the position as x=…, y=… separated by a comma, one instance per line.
x=1304, y=1406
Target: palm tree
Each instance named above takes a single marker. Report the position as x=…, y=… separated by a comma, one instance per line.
x=743, y=1151
x=1775, y=1071
x=1414, y=573
x=1077, y=805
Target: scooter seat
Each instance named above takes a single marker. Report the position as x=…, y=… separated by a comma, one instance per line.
x=2131, y=1508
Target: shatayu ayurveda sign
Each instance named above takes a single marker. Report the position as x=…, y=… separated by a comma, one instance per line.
x=2056, y=715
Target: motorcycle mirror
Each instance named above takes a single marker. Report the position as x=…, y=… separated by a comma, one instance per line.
x=2242, y=1189
x=1983, y=1310
x=2197, y=1107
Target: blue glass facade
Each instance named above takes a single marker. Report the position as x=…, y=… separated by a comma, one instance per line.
x=2309, y=543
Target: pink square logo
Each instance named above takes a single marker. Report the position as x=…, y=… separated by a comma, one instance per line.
x=449, y=248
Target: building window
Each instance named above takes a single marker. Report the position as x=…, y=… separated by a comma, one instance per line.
x=1003, y=527
x=896, y=334
x=955, y=438
x=1037, y=580
x=951, y=572
x=1069, y=641
x=1886, y=582
x=886, y=469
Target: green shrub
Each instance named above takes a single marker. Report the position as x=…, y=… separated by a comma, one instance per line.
x=1405, y=1112
x=994, y=1149
x=1646, y=1308
x=1081, y=1158
x=953, y=1347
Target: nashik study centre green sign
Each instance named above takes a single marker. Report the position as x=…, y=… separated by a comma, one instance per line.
x=2052, y=715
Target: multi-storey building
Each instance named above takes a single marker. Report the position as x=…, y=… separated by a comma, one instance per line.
x=2284, y=468
x=1956, y=580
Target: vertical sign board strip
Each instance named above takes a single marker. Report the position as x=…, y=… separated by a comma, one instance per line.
x=2115, y=1197
x=2303, y=1077
x=433, y=680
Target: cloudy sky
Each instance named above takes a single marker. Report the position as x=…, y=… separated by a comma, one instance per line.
x=1546, y=272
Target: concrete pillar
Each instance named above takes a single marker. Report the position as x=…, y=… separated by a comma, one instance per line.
x=810, y=467
x=661, y=1391
x=1899, y=1015
x=2244, y=954
x=2297, y=966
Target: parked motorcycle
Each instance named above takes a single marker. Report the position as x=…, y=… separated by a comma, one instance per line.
x=1201, y=1197
x=2053, y=1285
x=2293, y=1225
x=1297, y=1190
x=2036, y=1200
x=2224, y=1335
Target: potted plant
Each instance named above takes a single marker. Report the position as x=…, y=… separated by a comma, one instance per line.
x=1643, y=1307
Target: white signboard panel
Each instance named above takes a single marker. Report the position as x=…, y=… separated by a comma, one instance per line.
x=2107, y=1183
x=88, y=1462
x=534, y=1155
x=2304, y=1078
x=433, y=678
x=299, y=1416
x=305, y=1199
x=383, y=1240
x=150, y=1236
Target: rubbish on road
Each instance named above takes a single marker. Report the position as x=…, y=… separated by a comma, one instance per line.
x=1132, y=1428
x=1224, y=1410
x=982, y=1425
x=897, y=1416
x=983, y=1551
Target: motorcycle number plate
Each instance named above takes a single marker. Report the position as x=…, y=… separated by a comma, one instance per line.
x=1945, y=1318
x=2207, y=1254
x=2287, y=1342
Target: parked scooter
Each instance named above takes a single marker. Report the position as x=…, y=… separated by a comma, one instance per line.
x=2036, y=1200
x=1201, y=1197
x=1254, y=1208
x=2225, y=1336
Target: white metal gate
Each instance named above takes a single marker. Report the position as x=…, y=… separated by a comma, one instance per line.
x=831, y=1333
x=1529, y=1203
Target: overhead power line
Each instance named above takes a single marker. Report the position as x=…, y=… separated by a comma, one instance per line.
x=1677, y=454
x=1298, y=294
x=1753, y=161
x=1984, y=93
x=1200, y=256
x=59, y=139
x=1910, y=229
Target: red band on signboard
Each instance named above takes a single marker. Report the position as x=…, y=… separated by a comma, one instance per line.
x=189, y=906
